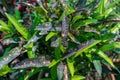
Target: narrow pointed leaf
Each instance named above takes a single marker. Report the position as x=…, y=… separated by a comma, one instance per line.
x=19, y=27
x=51, y=34
x=110, y=46
x=54, y=62
x=4, y=26
x=73, y=38
x=89, y=44
x=70, y=64
x=105, y=57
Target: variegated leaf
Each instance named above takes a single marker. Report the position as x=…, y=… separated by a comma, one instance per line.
x=12, y=55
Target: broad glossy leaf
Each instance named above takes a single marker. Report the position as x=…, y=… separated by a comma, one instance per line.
x=19, y=27
x=98, y=66
x=8, y=58
x=70, y=64
x=33, y=62
x=78, y=77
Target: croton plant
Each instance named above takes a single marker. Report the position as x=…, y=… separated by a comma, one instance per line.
x=59, y=39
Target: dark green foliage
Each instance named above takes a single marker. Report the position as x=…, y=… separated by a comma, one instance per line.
x=59, y=39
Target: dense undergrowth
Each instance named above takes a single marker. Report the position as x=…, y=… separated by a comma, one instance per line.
x=59, y=39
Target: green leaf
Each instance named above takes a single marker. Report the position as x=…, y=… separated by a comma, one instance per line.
x=73, y=38
x=31, y=73
x=4, y=26
x=57, y=52
x=70, y=64
x=4, y=70
x=17, y=14
x=77, y=18
x=115, y=28
x=110, y=46
x=77, y=77
x=54, y=71
x=107, y=12
x=41, y=11
x=90, y=44
x=62, y=48
x=98, y=66
x=101, y=6
x=105, y=57
x=89, y=21
x=78, y=24
x=54, y=62
x=51, y=34
x=30, y=52
x=45, y=79
x=19, y=27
